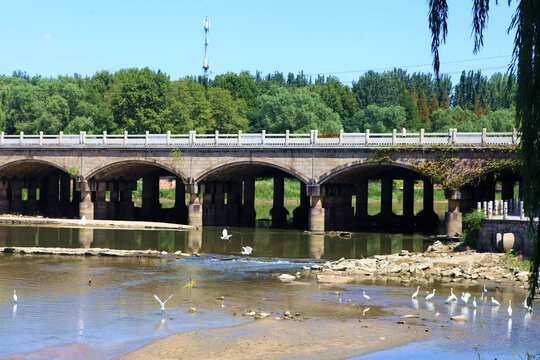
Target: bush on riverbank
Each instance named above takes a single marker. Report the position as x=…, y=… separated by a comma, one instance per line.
x=472, y=222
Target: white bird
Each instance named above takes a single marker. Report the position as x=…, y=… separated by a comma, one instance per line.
x=365, y=311
x=162, y=303
x=225, y=235
x=415, y=295
x=465, y=297
x=452, y=297
x=524, y=303
x=430, y=296
x=509, y=310
x=15, y=296
x=485, y=290
x=247, y=250
x=83, y=221
x=481, y=298
x=365, y=296
x=495, y=302
x=474, y=302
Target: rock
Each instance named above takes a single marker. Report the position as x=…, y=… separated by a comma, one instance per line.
x=264, y=314
x=250, y=313
x=164, y=253
x=401, y=322
x=192, y=310
x=410, y=316
x=336, y=293
x=297, y=275
x=316, y=267
x=404, y=253
x=459, y=318
x=286, y=277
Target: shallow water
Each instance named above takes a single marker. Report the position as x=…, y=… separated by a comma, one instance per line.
x=117, y=313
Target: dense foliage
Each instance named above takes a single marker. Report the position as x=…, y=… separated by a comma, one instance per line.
x=139, y=100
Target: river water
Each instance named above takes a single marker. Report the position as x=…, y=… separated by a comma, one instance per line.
x=57, y=310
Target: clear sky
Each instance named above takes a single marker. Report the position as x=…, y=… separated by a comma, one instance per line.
x=344, y=38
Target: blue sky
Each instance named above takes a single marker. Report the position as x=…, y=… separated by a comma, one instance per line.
x=341, y=38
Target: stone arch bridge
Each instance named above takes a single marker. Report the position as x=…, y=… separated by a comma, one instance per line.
x=95, y=175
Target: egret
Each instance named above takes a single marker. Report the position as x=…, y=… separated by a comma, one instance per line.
x=225, y=235
x=524, y=303
x=485, y=290
x=15, y=296
x=162, y=303
x=495, y=302
x=430, y=296
x=365, y=296
x=481, y=298
x=83, y=220
x=474, y=302
x=452, y=297
x=415, y=295
x=365, y=311
x=247, y=250
x=465, y=297
x=509, y=310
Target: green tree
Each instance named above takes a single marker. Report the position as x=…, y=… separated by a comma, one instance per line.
x=377, y=89
x=412, y=120
x=299, y=111
x=526, y=21
x=423, y=109
x=379, y=119
x=433, y=103
x=241, y=86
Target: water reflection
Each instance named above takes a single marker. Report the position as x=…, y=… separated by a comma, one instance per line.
x=265, y=242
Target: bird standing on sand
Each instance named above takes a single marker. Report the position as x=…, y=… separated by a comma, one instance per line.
x=509, y=310
x=15, y=296
x=225, y=236
x=162, y=303
x=495, y=302
x=430, y=296
x=415, y=294
x=247, y=250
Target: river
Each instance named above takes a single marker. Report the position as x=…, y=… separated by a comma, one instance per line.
x=59, y=311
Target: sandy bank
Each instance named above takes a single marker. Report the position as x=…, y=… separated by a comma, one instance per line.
x=278, y=339
x=105, y=224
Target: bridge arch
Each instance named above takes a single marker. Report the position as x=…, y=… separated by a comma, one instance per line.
x=130, y=170
x=236, y=170
x=23, y=168
x=346, y=173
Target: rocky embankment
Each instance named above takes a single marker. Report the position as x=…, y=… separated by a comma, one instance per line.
x=440, y=262
x=80, y=252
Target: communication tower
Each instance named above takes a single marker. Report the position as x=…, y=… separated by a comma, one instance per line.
x=206, y=63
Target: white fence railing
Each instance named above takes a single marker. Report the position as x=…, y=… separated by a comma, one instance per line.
x=263, y=139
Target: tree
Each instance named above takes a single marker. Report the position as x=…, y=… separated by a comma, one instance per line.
x=526, y=57
x=377, y=89
x=477, y=107
x=433, y=103
x=300, y=111
x=423, y=109
x=445, y=101
x=412, y=121
x=379, y=119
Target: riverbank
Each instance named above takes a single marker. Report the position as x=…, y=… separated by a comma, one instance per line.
x=98, y=224
x=278, y=339
x=448, y=262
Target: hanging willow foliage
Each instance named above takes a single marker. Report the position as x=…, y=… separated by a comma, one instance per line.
x=526, y=62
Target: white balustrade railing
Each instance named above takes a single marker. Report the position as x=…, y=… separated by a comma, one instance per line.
x=314, y=138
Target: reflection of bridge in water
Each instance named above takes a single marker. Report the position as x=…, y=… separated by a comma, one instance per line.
x=268, y=243
x=95, y=176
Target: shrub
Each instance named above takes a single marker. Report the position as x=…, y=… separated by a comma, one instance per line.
x=472, y=223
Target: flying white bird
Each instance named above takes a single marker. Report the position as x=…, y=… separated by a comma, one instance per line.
x=365, y=296
x=465, y=297
x=430, y=296
x=452, y=297
x=15, y=296
x=495, y=302
x=247, y=250
x=83, y=221
x=415, y=295
x=225, y=235
x=162, y=303
x=474, y=302
x=509, y=310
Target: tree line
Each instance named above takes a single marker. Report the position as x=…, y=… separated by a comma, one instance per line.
x=139, y=100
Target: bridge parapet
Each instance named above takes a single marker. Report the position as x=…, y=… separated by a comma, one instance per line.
x=365, y=139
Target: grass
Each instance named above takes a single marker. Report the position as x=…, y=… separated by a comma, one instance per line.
x=512, y=260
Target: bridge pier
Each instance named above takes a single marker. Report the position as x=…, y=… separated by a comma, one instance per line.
x=194, y=207
x=247, y=214
x=208, y=208
x=16, y=204
x=279, y=212
x=150, y=197
x=4, y=200
x=126, y=208
x=220, y=217
x=112, y=206
x=100, y=204
x=31, y=205
x=427, y=219
x=316, y=211
x=301, y=213
x=180, y=208
x=51, y=195
x=234, y=203
x=65, y=193
x=453, y=217
x=86, y=206
x=361, y=216
x=408, y=199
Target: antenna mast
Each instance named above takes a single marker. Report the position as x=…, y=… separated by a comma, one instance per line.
x=206, y=63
